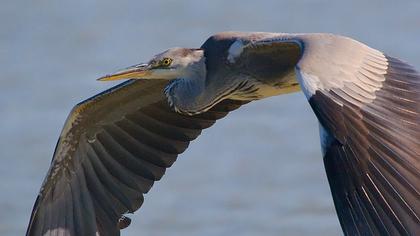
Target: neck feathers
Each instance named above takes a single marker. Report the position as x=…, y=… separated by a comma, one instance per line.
x=184, y=94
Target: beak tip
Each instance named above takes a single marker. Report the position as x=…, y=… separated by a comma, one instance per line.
x=103, y=78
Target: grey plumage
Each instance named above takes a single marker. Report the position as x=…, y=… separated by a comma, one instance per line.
x=116, y=144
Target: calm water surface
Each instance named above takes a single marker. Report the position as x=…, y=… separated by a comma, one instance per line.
x=257, y=172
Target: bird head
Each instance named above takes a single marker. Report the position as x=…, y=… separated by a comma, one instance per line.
x=170, y=64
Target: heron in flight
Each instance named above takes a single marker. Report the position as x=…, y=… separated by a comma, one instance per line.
x=116, y=144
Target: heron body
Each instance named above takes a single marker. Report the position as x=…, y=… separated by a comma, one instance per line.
x=116, y=144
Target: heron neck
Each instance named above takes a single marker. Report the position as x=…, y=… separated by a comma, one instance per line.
x=186, y=94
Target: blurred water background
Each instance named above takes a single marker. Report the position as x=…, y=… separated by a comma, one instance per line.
x=257, y=172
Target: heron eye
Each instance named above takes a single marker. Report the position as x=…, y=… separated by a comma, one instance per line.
x=166, y=61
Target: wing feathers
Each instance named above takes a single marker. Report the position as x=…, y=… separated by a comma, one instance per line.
x=112, y=149
x=152, y=139
x=154, y=161
x=121, y=170
x=177, y=119
x=164, y=129
x=371, y=111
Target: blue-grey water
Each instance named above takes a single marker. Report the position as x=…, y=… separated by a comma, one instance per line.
x=257, y=172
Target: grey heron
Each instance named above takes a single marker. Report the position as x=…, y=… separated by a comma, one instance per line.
x=116, y=144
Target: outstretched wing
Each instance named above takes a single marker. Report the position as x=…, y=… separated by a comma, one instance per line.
x=368, y=106
x=112, y=148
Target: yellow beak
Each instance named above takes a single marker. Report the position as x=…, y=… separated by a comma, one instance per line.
x=134, y=72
